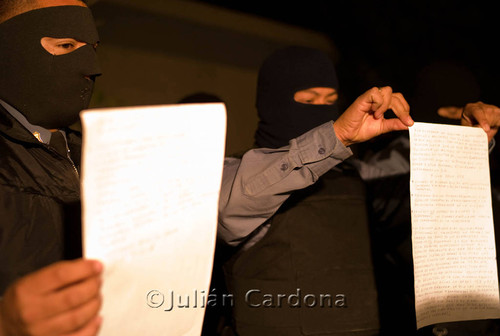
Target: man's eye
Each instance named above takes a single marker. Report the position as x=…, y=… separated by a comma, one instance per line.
x=66, y=45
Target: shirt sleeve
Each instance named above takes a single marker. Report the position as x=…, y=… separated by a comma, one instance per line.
x=254, y=187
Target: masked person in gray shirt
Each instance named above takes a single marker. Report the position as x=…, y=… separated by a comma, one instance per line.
x=304, y=263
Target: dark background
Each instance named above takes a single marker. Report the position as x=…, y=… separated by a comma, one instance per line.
x=160, y=51
x=388, y=42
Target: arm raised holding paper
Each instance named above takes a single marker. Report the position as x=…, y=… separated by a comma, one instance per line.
x=260, y=176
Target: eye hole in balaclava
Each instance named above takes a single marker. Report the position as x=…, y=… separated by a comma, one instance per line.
x=281, y=76
x=317, y=96
x=60, y=46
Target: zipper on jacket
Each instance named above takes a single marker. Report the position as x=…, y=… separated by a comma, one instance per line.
x=52, y=149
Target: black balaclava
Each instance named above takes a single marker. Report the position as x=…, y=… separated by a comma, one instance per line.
x=48, y=90
x=285, y=72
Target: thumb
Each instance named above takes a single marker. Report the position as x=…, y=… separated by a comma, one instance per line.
x=392, y=124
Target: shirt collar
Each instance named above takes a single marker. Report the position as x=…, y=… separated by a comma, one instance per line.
x=42, y=134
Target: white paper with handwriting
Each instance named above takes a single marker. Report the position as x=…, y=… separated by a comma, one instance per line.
x=452, y=225
x=150, y=185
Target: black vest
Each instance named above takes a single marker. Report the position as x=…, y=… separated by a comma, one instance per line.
x=316, y=255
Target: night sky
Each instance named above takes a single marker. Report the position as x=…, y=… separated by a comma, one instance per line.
x=388, y=42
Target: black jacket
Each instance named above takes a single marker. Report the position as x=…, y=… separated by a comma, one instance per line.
x=39, y=201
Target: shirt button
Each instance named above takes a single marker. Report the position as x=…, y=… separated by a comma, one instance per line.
x=284, y=166
x=321, y=151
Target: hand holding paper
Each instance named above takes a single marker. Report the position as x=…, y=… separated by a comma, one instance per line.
x=479, y=114
x=364, y=119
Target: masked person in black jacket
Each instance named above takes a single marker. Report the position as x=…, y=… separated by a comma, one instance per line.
x=48, y=65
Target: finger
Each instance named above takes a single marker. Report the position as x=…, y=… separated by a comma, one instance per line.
x=91, y=329
x=401, y=98
x=398, y=108
x=451, y=112
x=373, y=98
x=368, y=102
x=72, y=296
x=475, y=113
x=401, y=109
x=493, y=115
x=71, y=321
x=383, y=99
x=61, y=274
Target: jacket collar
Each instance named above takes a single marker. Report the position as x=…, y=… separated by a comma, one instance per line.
x=13, y=128
x=15, y=125
x=42, y=134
